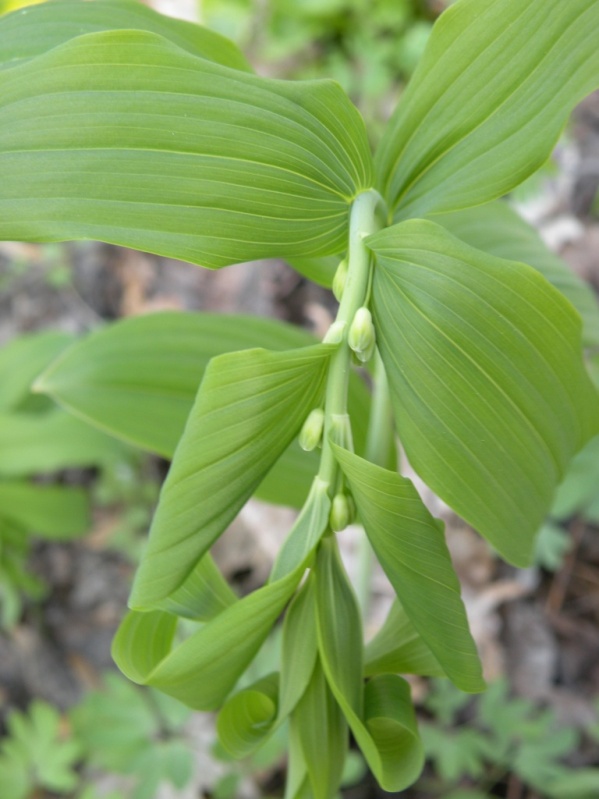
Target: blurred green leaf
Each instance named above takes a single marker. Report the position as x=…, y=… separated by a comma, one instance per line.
x=36, y=29
x=46, y=442
x=55, y=512
x=35, y=754
x=22, y=360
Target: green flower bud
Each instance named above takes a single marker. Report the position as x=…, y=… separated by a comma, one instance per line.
x=339, y=280
x=334, y=334
x=340, y=513
x=364, y=356
x=311, y=433
x=361, y=337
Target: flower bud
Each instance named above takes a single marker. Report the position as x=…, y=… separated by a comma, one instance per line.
x=311, y=433
x=361, y=337
x=339, y=280
x=334, y=334
x=340, y=513
x=365, y=355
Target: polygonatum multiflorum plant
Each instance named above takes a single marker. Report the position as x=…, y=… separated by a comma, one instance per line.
x=121, y=125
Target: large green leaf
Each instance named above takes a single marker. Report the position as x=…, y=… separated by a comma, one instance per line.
x=34, y=30
x=35, y=443
x=490, y=394
x=323, y=735
x=51, y=511
x=498, y=229
x=138, y=378
x=250, y=406
x=21, y=361
x=398, y=649
x=203, y=670
x=124, y=137
x=487, y=102
x=381, y=715
x=411, y=548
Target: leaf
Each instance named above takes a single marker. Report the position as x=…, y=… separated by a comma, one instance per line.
x=490, y=395
x=455, y=753
x=323, y=735
x=495, y=86
x=220, y=651
x=55, y=512
x=34, y=30
x=248, y=716
x=35, y=741
x=250, y=406
x=22, y=360
x=137, y=379
x=410, y=546
x=381, y=716
x=398, y=649
x=299, y=649
x=580, y=486
x=318, y=270
x=497, y=229
x=122, y=136
x=204, y=594
x=47, y=442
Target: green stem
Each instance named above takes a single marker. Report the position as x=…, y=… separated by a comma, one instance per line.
x=380, y=430
x=363, y=222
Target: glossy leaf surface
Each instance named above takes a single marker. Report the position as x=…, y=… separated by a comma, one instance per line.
x=250, y=406
x=487, y=102
x=490, y=395
x=34, y=30
x=381, y=715
x=138, y=378
x=498, y=229
x=124, y=137
x=410, y=546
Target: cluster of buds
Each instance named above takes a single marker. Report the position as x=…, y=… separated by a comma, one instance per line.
x=362, y=337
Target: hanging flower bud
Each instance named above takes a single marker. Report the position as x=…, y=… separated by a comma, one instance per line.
x=340, y=513
x=311, y=433
x=334, y=334
x=361, y=337
x=365, y=355
x=340, y=279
